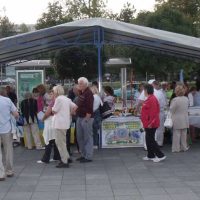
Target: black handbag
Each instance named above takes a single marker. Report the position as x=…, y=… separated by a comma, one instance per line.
x=20, y=121
x=105, y=110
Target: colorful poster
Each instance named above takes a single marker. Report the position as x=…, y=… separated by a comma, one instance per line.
x=122, y=132
x=27, y=80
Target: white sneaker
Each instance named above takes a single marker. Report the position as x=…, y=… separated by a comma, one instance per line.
x=40, y=162
x=156, y=160
x=147, y=158
x=52, y=160
x=40, y=148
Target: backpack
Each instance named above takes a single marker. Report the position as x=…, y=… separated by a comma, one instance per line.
x=105, y=110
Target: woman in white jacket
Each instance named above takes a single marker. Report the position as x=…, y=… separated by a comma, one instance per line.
x=62, y=110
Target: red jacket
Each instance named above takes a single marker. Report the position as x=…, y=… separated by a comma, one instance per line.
x=150, y=113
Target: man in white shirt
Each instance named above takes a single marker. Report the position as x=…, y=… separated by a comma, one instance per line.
x=159, y=136
x=8, y=109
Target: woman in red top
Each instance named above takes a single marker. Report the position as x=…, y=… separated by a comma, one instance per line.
x=150, y=119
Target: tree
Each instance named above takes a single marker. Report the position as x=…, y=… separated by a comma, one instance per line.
x=79, y=9
x=23, y=28
x=54, y=16
x=166, y=18
x=190, y=8
x=127, y=13
x=74, y=62
x=6, y=27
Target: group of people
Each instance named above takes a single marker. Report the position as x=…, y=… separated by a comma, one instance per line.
x=154, y=101
x=82, y=106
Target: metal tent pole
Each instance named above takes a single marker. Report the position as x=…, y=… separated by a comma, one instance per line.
x=1, y=74
x=99, y=48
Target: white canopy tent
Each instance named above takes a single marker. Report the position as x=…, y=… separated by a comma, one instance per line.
x=99, y=32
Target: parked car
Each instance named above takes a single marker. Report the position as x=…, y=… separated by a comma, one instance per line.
x=131, y=91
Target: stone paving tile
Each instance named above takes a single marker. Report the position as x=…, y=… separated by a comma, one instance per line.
x=178, y=190
x=72, y=194
x=100, y=198
x=154, y=191
x=47, y=188
x=4, y=186
x=132, y=197
x=45, y=196
x=99, y=193
x=72, y=198
x=115, y=174
x=22, y=188
x=157, y=197
x=49, y=182
x=126, y=192
x=74, y=188
x=185, y=196
x=18, y=196
x=116, y=186
x=2, y=194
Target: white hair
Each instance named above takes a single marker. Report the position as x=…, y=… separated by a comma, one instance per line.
x=58, y=90
x=84, y=80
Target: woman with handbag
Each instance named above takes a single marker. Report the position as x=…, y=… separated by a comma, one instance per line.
x=150, y=119
x=179, y=110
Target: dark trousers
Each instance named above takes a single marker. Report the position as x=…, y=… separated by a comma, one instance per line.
x=47, y=153
x=68, y=141
x=152, y=146
x=96, y=126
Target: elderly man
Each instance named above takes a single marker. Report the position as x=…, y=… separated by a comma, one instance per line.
x=85, y=121
x=8, y=108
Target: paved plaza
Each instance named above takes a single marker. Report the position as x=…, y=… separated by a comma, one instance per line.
x=115, y=174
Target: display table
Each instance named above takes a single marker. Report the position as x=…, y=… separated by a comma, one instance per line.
x=194, y=120
x=194, y=116
x=122, y=132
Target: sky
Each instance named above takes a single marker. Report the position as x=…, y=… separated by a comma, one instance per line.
x=28, y=11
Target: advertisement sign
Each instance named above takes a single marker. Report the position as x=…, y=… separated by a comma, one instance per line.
x=10, y=71
x=27, y=80
x=122, y=132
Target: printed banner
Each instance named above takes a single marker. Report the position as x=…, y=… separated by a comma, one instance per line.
x=27, y=80
x=122, y=132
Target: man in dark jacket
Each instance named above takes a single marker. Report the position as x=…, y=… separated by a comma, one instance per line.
x=85, y=120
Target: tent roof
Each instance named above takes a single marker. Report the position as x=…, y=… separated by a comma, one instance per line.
x=97, y=31
x=30, y=63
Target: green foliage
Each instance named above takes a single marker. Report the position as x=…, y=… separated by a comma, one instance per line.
x=166, y=18
x=6, y=27
x=54, y=16
x=127, y=13
x=23, y=28
x=78, y=9
x=74, y=62
x=189, y=8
